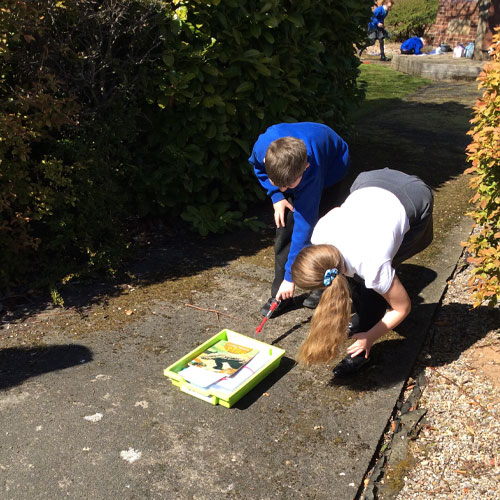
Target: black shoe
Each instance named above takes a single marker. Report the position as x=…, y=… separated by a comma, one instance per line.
x=285, y=304
x=383, y=58
x=266, y=306
x=350, y=366
x=313, y=299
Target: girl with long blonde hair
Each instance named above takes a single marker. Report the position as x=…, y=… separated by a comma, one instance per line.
x=321, y=267
x=386, y=219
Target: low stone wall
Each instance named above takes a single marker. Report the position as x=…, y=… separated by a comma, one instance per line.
x=438, y=67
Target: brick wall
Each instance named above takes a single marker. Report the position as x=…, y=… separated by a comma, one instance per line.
x=456, y=22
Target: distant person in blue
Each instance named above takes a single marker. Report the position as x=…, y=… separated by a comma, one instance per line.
x=413, y=45
x=295, y=163
x=376, y=28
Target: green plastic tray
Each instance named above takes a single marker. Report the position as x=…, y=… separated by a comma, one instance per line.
x=222, y=397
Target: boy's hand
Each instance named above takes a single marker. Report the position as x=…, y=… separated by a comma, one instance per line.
x=286, y=290
x=279, y=211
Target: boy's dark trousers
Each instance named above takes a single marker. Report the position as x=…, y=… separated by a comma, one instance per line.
x=330, y=198
x=282, y=243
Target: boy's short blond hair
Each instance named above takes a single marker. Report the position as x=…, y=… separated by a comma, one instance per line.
x=286, y=160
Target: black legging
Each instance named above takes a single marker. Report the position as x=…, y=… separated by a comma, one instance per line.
x=418, y=201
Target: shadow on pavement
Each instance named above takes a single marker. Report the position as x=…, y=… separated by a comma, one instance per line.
x=18, y=364
x=447, y=340
x=384, y=370
x=427, y=139
x=262, y=387
x=415, y=278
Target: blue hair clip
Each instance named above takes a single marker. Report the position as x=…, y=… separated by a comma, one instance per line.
x=329, y=276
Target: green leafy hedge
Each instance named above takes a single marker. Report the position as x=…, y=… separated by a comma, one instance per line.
x=410, y=18
x=110, y=111
x=484, y=155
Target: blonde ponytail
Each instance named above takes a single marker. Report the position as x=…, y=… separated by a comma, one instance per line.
x=331, y=318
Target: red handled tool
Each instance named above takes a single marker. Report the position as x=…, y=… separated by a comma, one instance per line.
x=274, y=304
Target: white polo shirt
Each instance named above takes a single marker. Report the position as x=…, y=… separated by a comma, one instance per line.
x=368, y=229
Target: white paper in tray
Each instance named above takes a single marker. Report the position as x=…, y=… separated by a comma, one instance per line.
x=200, y=376
x=230, y=384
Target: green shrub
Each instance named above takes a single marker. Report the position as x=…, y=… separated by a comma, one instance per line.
x=411, y=18
x=70, y=94
x=484, y=154
x=32, y=116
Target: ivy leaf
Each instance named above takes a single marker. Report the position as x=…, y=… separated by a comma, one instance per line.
x=212, y=100
x=244, y=87
x=168, y=59
x=211, y=132
x=296, y=19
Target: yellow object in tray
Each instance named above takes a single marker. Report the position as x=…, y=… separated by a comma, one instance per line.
x=214, y=385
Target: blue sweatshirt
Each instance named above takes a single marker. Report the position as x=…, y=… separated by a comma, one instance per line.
x=415, y=43
x=328, y=157
x=379, y=14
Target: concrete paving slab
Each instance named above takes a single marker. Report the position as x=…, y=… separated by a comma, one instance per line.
x=88, y=414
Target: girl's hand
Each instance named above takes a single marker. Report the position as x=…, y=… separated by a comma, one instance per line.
x=398, y=299
x=363, y=343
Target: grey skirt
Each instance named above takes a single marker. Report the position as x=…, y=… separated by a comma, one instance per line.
x=417, y=200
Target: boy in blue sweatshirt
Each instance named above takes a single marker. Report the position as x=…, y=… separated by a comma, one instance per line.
x=294, y=163
x=413, y=45
x=376, y=28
